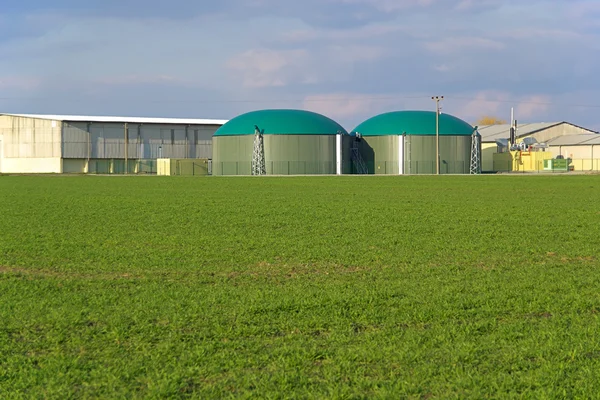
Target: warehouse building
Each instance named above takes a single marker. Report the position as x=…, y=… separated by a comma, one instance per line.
x=542, y=132
x=83, y=144
x=404, y=142
x=290, y=142
x=582, y=150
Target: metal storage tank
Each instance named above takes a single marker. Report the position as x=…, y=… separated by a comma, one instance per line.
x=404, y=142
x=296, y=142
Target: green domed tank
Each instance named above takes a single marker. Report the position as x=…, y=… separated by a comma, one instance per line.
x=296, y=142
x=404, y=142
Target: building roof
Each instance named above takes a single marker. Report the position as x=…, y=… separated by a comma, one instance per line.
x=574, y=140
x=413, y=123
x=281, y=122
x=491, y=133
x=133, y=120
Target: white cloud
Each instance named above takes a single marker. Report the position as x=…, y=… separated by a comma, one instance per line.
x=584, y=9
x=350, y=109
x=392, y=5
x=546, y=34
x=533, y=106
x=452, y=45
x=498, y=104
x=260, y=68
x=27, y=83
x=488, y=52
x=339, y=105
x=136, y=79
x=361, y=33
x=264, y=68
x=468, y=5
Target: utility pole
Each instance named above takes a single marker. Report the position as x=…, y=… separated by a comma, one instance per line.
x=437, y=132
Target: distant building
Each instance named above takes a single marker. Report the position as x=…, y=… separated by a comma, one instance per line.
x=85, y=144
x=584, y=150
x=543, y=132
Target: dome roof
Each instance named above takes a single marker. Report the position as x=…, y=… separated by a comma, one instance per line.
x=413, y=123
x=281, y=122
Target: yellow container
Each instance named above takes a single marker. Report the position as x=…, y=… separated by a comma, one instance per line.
x=521, y=161
x=182, y=166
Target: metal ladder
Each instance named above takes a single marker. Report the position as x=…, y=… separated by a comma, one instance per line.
x=357, y=160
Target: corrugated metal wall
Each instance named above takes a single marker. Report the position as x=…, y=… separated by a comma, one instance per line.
x=419, y=154
x=284, y=154
x=381, y=154
x=300, y=154
x=563, y=129
x=232, y=155
x=347, y=142
x=147, y=141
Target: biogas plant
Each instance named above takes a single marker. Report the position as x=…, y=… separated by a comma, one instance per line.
x=264, y=142
x=297, y=142
x=280, y=142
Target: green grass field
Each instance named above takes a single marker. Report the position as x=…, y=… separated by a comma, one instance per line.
x=304, y=287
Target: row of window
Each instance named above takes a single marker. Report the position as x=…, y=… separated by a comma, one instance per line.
x=173, y=135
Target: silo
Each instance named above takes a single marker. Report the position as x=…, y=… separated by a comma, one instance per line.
x=296, y=142
x=404, y=142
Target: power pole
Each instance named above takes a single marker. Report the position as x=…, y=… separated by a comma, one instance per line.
x=437, y=100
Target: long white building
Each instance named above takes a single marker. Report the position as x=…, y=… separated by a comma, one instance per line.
x=31, y=143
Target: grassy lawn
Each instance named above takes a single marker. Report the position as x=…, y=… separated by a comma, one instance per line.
x=303, y=287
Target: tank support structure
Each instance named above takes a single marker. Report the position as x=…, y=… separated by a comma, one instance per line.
x=475, y=168
x=259, y=166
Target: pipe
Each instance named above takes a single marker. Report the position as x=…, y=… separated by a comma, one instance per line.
x=338, y=154
x=187, y=153
x=126, y=133
x=89, y=145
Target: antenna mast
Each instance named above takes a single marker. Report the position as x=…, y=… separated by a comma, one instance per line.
x=513, y=132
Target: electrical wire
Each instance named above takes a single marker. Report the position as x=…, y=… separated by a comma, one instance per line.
x=326, y=99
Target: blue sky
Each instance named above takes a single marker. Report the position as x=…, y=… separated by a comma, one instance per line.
x=348, y=59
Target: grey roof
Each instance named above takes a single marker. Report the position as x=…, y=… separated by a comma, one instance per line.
x=491, y=133
x=133, y=120
x=574, y=140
